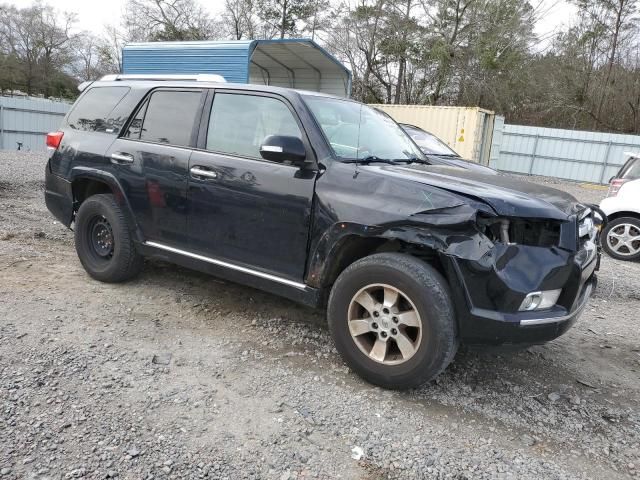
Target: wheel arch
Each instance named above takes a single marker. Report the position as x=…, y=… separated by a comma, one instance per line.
x=352, y=243
x=86, y=182
x=623, y=213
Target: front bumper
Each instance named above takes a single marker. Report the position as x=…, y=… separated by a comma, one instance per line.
x=488, y=295
x=484, y=328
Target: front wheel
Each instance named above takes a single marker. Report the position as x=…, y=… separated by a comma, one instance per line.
x=392, y=320
x=621, y=238
x=103, y=240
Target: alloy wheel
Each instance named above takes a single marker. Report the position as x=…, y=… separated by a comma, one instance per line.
x=385, y=324
x=624, y=239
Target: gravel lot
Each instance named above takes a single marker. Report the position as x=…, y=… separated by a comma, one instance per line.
x=180, y=375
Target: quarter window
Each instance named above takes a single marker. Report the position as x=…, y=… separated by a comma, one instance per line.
x=91, y=113
x=168, y=118
x=239, y=124
x=631, y=170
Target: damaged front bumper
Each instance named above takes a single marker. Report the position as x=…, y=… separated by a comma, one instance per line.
x=489, y=292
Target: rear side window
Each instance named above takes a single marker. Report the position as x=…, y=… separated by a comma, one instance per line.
x=240, y=123
x=631, y=170
x=167, y=117
x=91, y=113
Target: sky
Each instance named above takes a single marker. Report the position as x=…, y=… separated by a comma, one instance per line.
x=94, y=14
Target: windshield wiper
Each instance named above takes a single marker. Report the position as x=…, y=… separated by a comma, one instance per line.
x=411, y=160
x=371, y=159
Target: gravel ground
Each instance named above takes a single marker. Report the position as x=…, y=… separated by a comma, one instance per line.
x=179, y=375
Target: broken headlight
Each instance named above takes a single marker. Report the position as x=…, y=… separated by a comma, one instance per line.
x=521, y=231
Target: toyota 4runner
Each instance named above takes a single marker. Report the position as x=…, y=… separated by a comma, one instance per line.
x=325, y=201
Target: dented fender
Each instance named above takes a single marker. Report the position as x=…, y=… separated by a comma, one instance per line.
x=413, y=213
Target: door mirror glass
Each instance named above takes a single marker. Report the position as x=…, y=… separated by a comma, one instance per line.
x=283, y=149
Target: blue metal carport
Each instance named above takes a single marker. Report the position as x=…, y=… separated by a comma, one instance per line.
x=293, y=63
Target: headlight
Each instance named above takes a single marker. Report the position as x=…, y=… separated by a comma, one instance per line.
x=540, y=300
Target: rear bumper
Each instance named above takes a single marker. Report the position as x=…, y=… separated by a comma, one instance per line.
x=58, y=197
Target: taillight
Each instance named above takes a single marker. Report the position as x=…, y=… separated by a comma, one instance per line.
x=615, y=185
x=54, y=139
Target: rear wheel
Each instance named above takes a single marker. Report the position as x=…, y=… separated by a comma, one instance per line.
x=103, y=240
x=392, y=320
x=621, y=238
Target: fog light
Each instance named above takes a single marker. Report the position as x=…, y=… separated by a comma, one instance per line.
x=540, y=300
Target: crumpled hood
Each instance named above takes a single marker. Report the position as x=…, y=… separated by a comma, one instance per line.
x=507, y=195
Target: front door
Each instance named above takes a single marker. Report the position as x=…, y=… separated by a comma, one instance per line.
x=244, y=209
x=152, y=162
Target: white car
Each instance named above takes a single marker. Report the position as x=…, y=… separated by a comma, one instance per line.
x=621, y=236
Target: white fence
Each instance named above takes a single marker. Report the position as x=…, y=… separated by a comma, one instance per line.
x=24, y=122
x=568, y=154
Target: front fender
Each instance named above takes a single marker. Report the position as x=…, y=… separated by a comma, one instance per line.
x=448, y=231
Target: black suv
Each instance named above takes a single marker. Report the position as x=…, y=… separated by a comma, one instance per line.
x=325, y=201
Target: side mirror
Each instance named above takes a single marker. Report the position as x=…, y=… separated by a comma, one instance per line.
x=612, y=179
x=283, y=149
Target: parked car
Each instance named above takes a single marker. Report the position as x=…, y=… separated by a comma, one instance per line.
x=325, y=201
x=621, y=236
x=439, y=153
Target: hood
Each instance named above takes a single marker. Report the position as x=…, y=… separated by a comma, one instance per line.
x=507, y=195
x=460, y=162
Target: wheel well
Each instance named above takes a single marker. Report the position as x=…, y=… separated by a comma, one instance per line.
x=353, y=248
x=616, y=215
x=83, y=188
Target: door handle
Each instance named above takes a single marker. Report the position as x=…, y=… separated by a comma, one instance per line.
x=201, y=172
x=121, y=158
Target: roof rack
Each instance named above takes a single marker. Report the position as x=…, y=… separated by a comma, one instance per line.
x=200, y=77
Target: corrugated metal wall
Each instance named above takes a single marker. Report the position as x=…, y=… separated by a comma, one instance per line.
x=292, y=63
x=28, y=120
x=229, y=59
x=568, y=154
x=467, y=130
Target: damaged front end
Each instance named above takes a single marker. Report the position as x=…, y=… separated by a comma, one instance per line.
x=513, y=279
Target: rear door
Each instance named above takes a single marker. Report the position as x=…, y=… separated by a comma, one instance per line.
x=245, y=209
x=152, y=161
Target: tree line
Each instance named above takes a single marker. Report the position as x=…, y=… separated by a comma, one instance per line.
x=436, y=52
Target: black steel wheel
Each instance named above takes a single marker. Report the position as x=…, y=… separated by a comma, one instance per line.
x=104, y=242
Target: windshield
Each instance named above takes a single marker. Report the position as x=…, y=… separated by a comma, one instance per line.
x=430, y=144
x=357, y=132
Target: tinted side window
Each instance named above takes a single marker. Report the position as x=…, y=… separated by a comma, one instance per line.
x=631, y=171
x=239, y=123
x=169, y=117
x=92, y=110
x=135, y=127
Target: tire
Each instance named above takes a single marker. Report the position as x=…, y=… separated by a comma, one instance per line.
x=103, y=241
x=421, y=289
x=629, y=226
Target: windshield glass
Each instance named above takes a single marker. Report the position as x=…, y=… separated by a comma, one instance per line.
x=356, y=131
x=429, y=143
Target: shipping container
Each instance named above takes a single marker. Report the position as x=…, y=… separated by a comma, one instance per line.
x=292, y=63
x=467, y=130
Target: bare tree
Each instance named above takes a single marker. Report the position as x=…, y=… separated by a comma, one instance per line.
x=168, y=20
x=91, y=59
x=286, y=16
x=240, y=19
x=39, y=38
